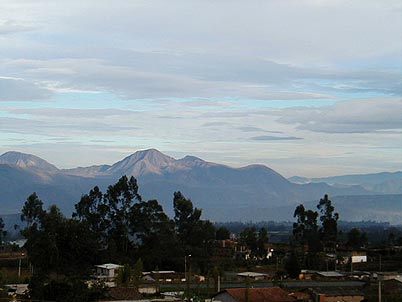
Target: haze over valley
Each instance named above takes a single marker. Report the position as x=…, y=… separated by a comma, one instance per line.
x=250, y=193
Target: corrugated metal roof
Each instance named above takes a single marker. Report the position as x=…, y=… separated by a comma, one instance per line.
x=109, y=266
x=251, y=274
x=331, y=274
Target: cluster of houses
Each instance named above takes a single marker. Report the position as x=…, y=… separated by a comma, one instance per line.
x=320, y=291
x=312, y=291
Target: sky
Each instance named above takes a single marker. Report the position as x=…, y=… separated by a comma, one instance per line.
x=307, y=87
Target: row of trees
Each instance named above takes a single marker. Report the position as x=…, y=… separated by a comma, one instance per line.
x=312, y=239
x=115, y=226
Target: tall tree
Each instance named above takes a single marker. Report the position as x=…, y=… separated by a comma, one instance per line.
x=329, y=223
x=155, y=232
x=222, y=233
x=356, y=239
x=262, y=239
x=195, y=235
x=32, y=211
x=3, y=233
x=305, y=230
x=92, y=210
x=120, y=199
x=248, y=238
x=186, y=217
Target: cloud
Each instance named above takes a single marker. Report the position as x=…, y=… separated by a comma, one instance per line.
x=275, y=138
x=354, y=116
x=11, y=27
x=256, y=129
x=70, y=113
x=202, y=76
x=14, y=89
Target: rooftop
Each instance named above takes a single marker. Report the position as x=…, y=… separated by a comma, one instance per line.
x=271, y=294
x=109, y=266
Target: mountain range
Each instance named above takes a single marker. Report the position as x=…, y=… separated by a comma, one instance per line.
x=254, y=192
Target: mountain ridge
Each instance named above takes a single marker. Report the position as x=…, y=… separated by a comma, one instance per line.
x=221, y=191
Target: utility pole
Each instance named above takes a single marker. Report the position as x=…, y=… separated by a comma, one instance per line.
x=379, y=287
x=187, y=274
x=19, y=265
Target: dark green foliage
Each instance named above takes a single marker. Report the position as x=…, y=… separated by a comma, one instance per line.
x=255, y=241
x=356, y=239
x=64, y=290
x=305, y=230
x=195, y=236
x=156, y=234
x=262, y=239
x=32, y=210
x=116, y=226
x=60, y=246
x=120, y=199
x=292, y=265
x=329, y=223
x=108, y=216
x=186, y=217
x=2, y=232
x=222, y=233
x=92, y=210
x=248, y=238
x=124, y=275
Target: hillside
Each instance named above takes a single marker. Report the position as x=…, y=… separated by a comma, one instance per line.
x=254, y=192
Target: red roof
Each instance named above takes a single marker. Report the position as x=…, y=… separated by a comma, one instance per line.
x=268, y=294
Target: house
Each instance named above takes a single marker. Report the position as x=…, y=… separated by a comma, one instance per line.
x=107, y=273
x=252, y=276
x=330, y=275
x=335, y=294
x=16, y=289
x=358, y=257
x=162, y=276
x=306, y=274
x=383, y=276
x=267, y=294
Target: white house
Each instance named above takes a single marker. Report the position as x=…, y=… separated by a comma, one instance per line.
x=107, y=272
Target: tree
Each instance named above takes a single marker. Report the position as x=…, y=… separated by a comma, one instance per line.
x=92, y=210
x=248, y=238
x=186, y=217
x=137, y=272
x=109, y=216
x=292, y=265
x=119, y=200
x=155, y=233
x=2, y=232
x=356, y=239
x=195, y=235
x=124, y=275
x=32, y=211
x=262, y=239
x=329, y=222
x=222, y=233
x=305, y=230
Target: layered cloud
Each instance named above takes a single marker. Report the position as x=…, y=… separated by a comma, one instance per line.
x=14, y=89
x=293, y=84
x=356, y=116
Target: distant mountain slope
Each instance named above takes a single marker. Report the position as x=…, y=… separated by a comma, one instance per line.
x=26, y=161
x=224, y=193
x=16, y=184
x=384, y=182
